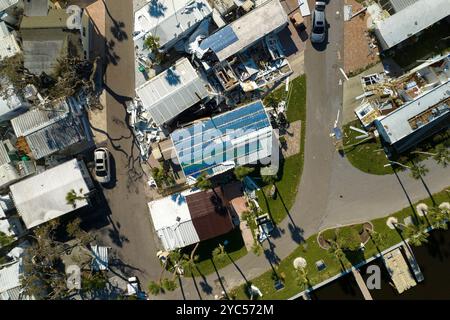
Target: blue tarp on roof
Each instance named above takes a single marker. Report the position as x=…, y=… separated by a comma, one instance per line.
x=221, y=139
x=220, y=39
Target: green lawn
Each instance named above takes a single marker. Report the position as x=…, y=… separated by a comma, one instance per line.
x=292, y=167
x=290, y=172
x=311, y=251
x=297, y=101
x=235, y=248
x=367, y=156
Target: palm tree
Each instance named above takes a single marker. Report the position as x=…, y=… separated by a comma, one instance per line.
x=154, y=288
x=438, y=218
x=72, y=197
x=416, y=235
x=269, y=179
x=204, y=183
x=418, y=170
x=168, y=284
x=337, y=252
x=302, y=277
x=151, y=42
x=242, y=171
x=442, y=155
x=257, y=249
x=219, y=254
x=377, y=239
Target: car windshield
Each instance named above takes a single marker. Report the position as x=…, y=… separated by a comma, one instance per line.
x=101, y=173
x=318, y=29
x=320, y=7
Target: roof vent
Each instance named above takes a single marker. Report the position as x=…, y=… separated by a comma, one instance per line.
x=178, y=219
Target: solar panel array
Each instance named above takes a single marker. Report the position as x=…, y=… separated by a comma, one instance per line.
x=219, y=40
x=238, y=134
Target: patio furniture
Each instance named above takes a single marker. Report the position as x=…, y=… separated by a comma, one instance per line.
x=320, y=265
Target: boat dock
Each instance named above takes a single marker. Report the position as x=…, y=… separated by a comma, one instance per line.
x=361, y=284
x=413, y=263
x=399, y=271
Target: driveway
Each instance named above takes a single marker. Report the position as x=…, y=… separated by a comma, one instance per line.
x=129, y=231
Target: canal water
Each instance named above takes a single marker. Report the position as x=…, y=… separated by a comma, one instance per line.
x=433, y=259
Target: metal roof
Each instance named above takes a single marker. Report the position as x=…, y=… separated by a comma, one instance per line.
x=8, y=174
x=42, y=48
x=5, y=4
x=210, y=213
x=42, y=197
x=172, y=221
x=401, y=4
x=55, y=137
x=220, y=40
x=170, y=19
x=100, y=260
x=246, y=30
x=8, y=44
x=36, y=119
x=411, y=20
x=10, y=106
x=9, y=279
x=36, y=8
x=172, y=91
x=49, y=131
x=237, y=137
x=4, y=155
x=395, y=126
x=55, y=19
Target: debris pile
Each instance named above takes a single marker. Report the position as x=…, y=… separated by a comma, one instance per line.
x=144, y=128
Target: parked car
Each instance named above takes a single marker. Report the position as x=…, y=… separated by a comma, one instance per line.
x=102, y=167
x=298, y=21
x=319, y=23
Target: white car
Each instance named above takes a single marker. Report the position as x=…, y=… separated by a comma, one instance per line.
x=318, y=25
x=102, y=168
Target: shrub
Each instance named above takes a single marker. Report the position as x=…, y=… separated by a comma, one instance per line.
x=348, y=238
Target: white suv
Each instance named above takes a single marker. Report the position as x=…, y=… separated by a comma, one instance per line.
x=102, y=168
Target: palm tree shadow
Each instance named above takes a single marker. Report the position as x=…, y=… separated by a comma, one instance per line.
x=434, y=246
x=296, y=232
x=181, y=288
x=219, y=279
x=118, y=26
x=416, y=218
x=196, y=286
x=237, y=267
x=206, y=288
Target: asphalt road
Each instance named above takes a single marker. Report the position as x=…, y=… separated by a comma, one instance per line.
x=129, y=231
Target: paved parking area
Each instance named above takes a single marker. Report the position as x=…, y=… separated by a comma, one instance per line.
x=292, y=40
x=357, y=53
